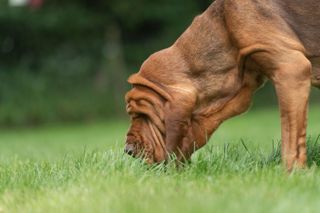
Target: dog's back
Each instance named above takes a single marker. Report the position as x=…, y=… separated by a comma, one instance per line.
x=304, y=19
x=290, y=24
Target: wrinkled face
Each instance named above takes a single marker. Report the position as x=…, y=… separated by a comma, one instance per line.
x=144, y=140
x=146, y=135
x=158, y=127
x=152, y=136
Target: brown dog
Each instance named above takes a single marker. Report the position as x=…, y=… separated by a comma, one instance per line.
x=183, y=93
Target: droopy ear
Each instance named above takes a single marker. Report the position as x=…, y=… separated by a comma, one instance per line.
x=178, y=113
x=179, y=138
x=179, y=104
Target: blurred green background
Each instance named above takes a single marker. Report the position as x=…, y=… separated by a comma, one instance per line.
x=68, y=61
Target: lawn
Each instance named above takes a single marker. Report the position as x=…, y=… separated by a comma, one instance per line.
x=81, y=168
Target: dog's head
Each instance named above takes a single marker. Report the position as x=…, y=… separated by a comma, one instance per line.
x=158, y=129
x=160, y=111
x=155, y=132
x=146, y=135
x=167, y=115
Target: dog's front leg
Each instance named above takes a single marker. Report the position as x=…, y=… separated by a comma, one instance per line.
x=292, y=83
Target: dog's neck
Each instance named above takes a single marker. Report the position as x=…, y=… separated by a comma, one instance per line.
x=206, y=45
x=224, y=88
x=206, y=86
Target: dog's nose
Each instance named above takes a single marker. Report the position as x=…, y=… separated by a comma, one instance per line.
x=129, y=149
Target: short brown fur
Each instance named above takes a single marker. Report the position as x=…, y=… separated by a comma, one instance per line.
x=183, y=93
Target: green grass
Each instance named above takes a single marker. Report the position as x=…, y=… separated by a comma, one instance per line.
x=81, y=168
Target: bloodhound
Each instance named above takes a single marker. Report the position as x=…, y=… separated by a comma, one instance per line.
x=183, y=93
